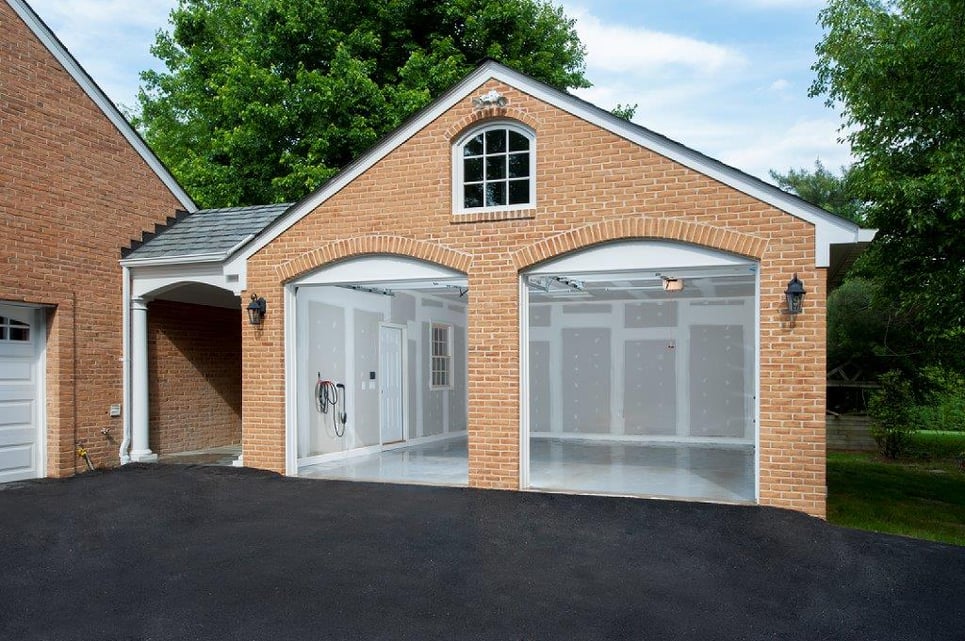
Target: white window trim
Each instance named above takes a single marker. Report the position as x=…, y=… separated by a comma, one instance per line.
x=433, y=356
x=458, y=174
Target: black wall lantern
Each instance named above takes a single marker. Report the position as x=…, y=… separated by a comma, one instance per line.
x=256, y=310
x=795, y=296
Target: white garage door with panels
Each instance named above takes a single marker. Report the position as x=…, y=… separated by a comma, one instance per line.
x=21, y=393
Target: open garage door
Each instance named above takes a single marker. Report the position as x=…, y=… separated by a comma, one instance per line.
x=379, y=383
x=21, y=393
x=640, y=373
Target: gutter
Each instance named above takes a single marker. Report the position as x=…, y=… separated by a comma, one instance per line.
x=126, y=365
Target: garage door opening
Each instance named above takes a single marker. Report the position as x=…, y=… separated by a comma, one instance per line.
x=640, y=373
x=380, y=379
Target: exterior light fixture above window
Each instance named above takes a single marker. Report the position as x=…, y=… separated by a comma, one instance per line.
x=257, y=309
x=795, y=296
x=491, y=99
x=673, y=284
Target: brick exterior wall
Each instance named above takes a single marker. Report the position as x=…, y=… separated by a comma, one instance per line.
x=194, y=356
x=592, y=187
x=74, y=192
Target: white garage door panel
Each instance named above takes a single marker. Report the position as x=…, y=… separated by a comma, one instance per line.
x=14, y=371
x=20, y=395
x=16, y=459
x=16, y=412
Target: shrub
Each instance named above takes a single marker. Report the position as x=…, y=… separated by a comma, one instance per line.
x=945, y=407
x=892, y=411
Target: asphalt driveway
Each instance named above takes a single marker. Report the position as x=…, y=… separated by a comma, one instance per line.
x=172, y=552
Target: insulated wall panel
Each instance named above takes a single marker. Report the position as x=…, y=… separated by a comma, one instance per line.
x=643, y=315
x=717, y=390
x=364, y=417
x=403, y=308
x=412, y=387
x=539, y=386
x=650, y=387
x=458, y=394
x=325, y=357
x=586, y=380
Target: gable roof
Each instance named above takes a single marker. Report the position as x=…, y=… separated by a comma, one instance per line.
x=81, y=77
x=829, y=228
x=207, y=234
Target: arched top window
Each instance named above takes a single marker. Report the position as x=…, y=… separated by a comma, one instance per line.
x=14, y=331
x=494, y=168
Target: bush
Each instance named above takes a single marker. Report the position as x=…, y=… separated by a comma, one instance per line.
x=945, y=409
x=892, y=411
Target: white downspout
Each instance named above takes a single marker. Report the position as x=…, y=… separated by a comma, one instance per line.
x=126, y=365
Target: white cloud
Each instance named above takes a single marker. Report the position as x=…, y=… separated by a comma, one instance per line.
x=110, y=38
x=618, y=48
x=780, y=85
x=782, y=148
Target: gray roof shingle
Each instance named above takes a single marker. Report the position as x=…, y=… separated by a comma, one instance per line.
x=207, y=231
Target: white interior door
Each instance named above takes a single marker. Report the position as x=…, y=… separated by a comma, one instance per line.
x=21, y=335
x=391, y=409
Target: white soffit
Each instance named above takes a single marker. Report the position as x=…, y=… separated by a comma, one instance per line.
x=829, y=229
x=110, y=110
x=381, y=269
x=644, y=255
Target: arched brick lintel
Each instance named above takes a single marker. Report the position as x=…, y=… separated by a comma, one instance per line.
x=640, y=227
x=481, y=116
x=375, y=244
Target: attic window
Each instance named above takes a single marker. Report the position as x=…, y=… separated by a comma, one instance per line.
x=494, y=169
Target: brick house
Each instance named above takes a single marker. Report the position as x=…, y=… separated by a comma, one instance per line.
x=513, y=290
x=77, y=183
x=519, y=290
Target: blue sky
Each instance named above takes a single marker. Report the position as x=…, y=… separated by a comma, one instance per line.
x=726, y=77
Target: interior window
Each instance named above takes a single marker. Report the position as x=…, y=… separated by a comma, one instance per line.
x=497, y=169
x=441, y=356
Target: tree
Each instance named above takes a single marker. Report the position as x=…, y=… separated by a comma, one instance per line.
x=263, y=100
x=896, y=68
x=822, y=188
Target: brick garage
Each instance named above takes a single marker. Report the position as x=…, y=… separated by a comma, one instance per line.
x=598, y=180
x=595, y=183
x=77, y=184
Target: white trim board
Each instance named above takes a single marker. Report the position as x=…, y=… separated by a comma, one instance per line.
x=95, y=93
x=829, y=229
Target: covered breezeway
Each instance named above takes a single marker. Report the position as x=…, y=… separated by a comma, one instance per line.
x=639, y=373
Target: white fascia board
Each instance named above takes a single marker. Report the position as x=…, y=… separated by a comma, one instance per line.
x=829, y=228
x=82, y=78
x=187, y=259
x=151, y=280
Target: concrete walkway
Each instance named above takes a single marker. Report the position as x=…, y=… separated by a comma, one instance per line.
x=189, y=552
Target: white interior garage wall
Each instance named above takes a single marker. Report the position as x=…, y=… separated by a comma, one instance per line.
x=674, y=370
x=337, y=338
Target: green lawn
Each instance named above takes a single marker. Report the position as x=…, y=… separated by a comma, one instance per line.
x=922, y=495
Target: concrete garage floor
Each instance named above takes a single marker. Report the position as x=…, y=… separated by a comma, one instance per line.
x=598, y=467
x=194, y=552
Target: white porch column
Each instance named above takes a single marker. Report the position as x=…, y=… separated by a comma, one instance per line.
x=140, y=451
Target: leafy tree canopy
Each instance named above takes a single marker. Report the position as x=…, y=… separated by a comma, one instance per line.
x=896, y=69
x=263, y=100
x=822, y=188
